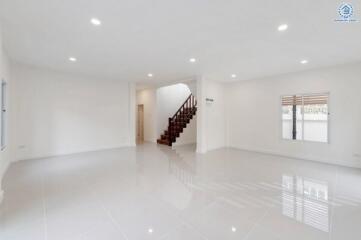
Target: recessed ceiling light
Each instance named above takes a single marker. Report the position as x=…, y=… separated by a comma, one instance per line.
x=72, y=59
x=282, y=27
x=150, y=230
x=95, y=21
x=304, y=61
x=234, y=229
x=193, y=60
x=150, y=74
x=233, y=76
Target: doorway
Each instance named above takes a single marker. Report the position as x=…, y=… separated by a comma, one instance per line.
x=140, y=124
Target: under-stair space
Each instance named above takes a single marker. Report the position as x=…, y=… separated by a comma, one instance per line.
x=179, y=121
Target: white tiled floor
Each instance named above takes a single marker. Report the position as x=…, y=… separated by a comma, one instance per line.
x=154, y=192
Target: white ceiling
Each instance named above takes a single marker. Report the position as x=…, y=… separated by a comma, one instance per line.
x=159, y=36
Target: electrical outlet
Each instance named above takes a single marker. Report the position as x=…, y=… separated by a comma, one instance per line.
x=21, y=147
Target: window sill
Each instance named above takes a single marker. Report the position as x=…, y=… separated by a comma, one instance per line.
x=305, y=141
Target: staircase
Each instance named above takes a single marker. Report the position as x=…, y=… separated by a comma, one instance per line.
x=179, y=121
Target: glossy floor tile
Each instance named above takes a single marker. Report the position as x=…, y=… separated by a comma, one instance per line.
x=155, y=192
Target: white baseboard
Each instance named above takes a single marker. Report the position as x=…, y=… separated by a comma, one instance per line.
x=279, y=154
x=215, y=148
x=203, y=151
x=183, y=144
x=72, y=153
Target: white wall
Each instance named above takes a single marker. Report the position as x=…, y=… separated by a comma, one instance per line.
x=148, y=97
x=211, y=116
x=216, y=116
x=7, y=153
x=254, y=116
x=59, y=113
x=132, y=120
x=169, y=100
x=192, y=85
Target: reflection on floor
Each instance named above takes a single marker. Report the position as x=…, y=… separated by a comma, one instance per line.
x=306, y=200
x=155, y=192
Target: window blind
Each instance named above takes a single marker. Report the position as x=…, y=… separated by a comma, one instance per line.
x=307, y=100
x=291, y=100
x=315, y=99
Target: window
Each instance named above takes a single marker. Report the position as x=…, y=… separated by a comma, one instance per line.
x=3, y=115
x=305, y=117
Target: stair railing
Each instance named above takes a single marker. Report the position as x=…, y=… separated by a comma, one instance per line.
x=189, y=103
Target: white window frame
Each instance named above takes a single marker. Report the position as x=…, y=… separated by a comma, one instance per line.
x=302, y=140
